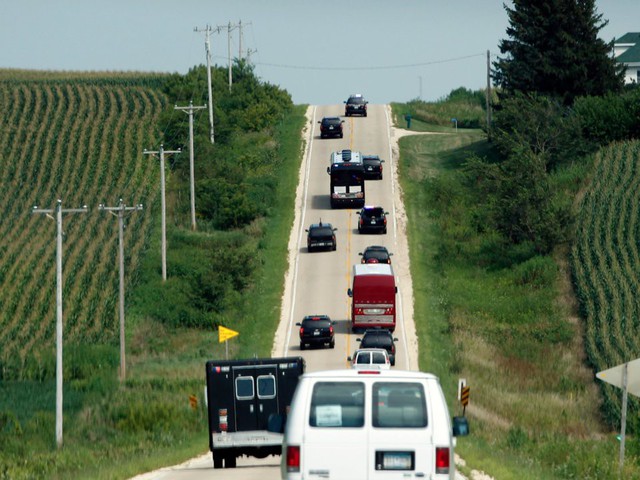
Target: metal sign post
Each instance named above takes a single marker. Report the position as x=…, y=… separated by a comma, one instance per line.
x=627, y=377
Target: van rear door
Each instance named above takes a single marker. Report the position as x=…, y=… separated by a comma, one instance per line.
x=401, y=441
x=335, y=443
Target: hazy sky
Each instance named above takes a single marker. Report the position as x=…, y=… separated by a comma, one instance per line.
x=319, y=51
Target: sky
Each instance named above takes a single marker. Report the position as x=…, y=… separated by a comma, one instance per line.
x=318, y=51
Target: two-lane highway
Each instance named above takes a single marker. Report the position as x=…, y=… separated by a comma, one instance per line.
x=317, y=282
x=321, y=279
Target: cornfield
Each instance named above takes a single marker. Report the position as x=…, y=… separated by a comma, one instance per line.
x=78, y=138
x=606, y=266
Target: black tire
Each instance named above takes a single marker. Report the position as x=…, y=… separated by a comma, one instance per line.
x=384, y=231
x=365, y=114
x=217, y=461
x=332, y=344
x=302, y=346
x=341, y=135
x=230, y=461
x=334, y=247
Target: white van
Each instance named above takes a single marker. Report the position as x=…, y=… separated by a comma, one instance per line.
x=369, y=424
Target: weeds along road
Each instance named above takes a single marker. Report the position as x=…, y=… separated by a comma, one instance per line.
x=317, y=283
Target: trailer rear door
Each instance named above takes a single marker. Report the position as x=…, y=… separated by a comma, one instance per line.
x=256, y=396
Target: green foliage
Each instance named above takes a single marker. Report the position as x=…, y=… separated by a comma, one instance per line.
x=518, y=201
x=466, y=106
x=538, y=124
x=553, y=49
x=238, y=174
x=609, y=118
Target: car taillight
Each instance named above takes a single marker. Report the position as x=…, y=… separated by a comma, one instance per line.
x=442, y=459
x=293, y=459
x=301, y=331
x=330, y=329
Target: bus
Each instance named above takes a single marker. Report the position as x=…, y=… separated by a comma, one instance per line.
x=347, y=179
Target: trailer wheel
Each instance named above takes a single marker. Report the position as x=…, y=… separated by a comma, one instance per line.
x=217, y=461
x=230, y=461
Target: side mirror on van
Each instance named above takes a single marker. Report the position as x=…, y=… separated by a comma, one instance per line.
x=350, y=292
x=460, y=427
x=329, y=170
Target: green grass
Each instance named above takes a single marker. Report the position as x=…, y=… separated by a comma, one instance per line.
x=509, y=327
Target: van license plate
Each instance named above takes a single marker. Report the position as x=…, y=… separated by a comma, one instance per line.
x=395, y=460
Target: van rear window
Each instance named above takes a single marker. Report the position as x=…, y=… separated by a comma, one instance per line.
x=337, y=405
x=399, y=405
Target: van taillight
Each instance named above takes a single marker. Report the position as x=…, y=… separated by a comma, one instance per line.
x=442, y=459
x=293, y=459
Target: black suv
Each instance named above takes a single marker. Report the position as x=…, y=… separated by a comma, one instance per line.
x=372, y=219
x=331, y=127
x=372, y=166
x=355, y=105
x=380, y=338
x=321, y=236
x=316, y=330
x=376, y=254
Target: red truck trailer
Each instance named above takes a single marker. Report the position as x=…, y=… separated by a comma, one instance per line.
x=373, y=297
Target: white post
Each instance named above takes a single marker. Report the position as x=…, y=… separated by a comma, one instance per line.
x=59, y=367
x=161, y=152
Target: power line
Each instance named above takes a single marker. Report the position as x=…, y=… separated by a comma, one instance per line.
x=380, y=67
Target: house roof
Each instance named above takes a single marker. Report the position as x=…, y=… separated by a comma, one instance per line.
x=631, y=55
x=628, y=38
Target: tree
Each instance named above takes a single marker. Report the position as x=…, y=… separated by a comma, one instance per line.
x=553, y=49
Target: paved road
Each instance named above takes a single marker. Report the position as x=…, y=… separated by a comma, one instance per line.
x=317, y=282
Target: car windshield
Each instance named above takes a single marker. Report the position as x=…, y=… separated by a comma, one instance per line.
x=331, y=121
x=321, y=232
x=356, y=100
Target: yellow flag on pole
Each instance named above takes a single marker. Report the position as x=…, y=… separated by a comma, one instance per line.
x=225, y=333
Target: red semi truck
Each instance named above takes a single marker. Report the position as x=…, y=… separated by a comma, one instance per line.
x=373, y=297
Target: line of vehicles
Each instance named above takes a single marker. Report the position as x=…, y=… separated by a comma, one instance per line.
x=367, y=421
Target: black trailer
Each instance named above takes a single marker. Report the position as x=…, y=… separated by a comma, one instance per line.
x=243, y=396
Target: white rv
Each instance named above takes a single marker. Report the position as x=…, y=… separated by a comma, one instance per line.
x=369, y=423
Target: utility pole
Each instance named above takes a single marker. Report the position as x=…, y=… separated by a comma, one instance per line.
x=121, y=209
x=488, y=95
x=240, y=39
x=161, y=153
x=58, y=210
x=189, y=110
x=207, y=30
x=229, y=28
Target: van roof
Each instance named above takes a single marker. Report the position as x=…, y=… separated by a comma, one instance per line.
x=372, y=269
x=386, y=374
